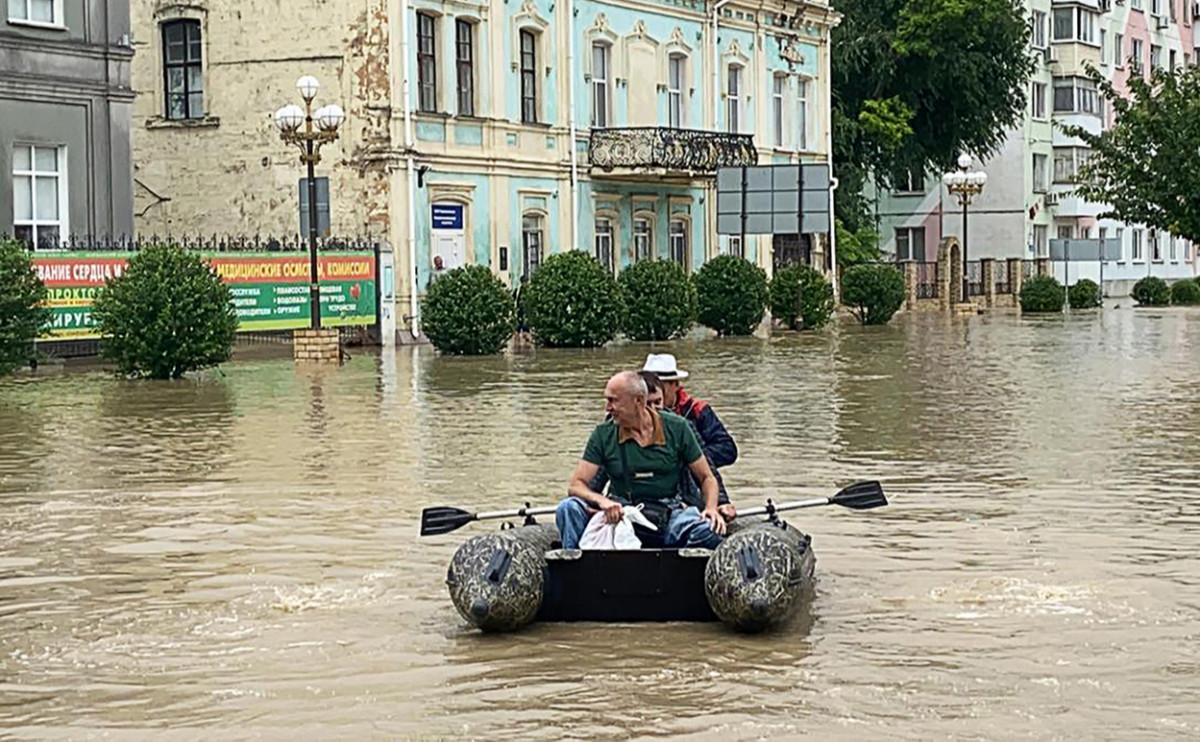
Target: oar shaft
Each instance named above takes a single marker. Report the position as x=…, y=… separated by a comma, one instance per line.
x=813, y=503
x=520, y=513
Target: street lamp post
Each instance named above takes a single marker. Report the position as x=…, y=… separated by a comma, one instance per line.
x=966, y=186
x=308, y=130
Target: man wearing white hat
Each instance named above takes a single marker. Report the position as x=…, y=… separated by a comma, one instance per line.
x=719, y=446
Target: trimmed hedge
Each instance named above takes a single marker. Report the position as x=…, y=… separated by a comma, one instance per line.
x=22, y=315
x=801, y=298
x=875, y=292
x=1185, y=293
x=468, y=312
x=572, y=302
x=659, y=300
x=167, y=314
x=1042, y=294
x=1151, y=291
x=1085, y=294
x=732, y=295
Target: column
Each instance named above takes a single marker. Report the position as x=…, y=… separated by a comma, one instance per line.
x=988, y=269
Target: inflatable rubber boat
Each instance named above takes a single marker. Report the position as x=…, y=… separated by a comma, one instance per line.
x=754, y=581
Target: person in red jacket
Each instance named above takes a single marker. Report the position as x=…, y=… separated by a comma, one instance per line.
x=719, y=446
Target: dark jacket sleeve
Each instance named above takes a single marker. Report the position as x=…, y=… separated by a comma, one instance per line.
x=718, y=444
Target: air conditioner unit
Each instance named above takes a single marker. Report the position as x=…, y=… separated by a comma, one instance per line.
x=1051, y=199
x=1161, y=22
x=1105, y=6
x=1051, y=54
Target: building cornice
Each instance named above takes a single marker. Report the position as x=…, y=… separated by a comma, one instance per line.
x=72, y=48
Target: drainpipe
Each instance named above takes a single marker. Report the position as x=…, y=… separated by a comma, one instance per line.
x=833, y=182
x=411, y=237
x=571, y=124
x=716, y=64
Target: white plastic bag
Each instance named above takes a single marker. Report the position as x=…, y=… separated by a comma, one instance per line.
x=602, y=535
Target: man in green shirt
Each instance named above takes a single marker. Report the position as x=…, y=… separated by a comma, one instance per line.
x=644, y=452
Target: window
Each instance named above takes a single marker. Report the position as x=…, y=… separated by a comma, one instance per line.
x=777, y=87
x=1065, y=231
x=910, y=243
x=600, y=85
x=1155, y=246
x=464, y=37
x=531, y=242
x=802, y=113
x=677, y=236
x=643, y=239
x=426, y=62
x=1074, y=24
x=322, y=207
x=736, y=247
x=604, y=242
x=1173, y=248
x=1173, y=61
x=1136, y=4
x=182, y=72
x=1136, y=244
x=1121, y=241
x=1119, y=50
x=1041, y=242
x=1086, y=26
x=1039, y=29
x=1155, y=57
x=529, y=107
x=1156, y=7
x=1038, y=98
x=1103, y=47
x=39, y=195
x=1135, y=55
x=675, y=76
x=733, y=100
x=1063, y=24
x=1039, y=173
x=48, y=12
x=909, y=180
x=1067, y=161
x=1075, y=95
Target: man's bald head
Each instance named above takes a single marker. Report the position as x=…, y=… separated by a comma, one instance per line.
x=631, y=382
x=625, y=398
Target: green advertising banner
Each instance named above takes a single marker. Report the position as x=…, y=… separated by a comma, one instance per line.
x=270, y=291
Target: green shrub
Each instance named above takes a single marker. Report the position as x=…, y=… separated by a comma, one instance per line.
x=167, y=314
x=732, y=295
x=469, y=312
x=1185, y=292
x=801, y=298
x=874, y=291
x=22, y=316
x=1151, y=291
x=1042, y=294
x=572, y=302
x=659, y=300
x=1085, y=294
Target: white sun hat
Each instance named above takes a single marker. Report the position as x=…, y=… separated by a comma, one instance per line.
x=664, y=367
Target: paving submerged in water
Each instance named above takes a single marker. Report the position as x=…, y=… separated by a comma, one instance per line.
x=237, y=556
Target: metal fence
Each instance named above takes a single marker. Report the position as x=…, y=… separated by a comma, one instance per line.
x=1003, y=284
x=927, y=280
x=1028, y=269
x=974, y=276
x=208, y=243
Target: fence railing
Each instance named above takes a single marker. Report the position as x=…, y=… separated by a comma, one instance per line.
x=927, y=280
x=206, y=243
x=1003, y=283
x=974, y=275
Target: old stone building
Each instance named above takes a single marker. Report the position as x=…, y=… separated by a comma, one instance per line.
x=65, y=103
x=492, y=132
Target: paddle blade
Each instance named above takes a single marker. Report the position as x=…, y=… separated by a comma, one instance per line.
x=439, y=520
x=861, y=496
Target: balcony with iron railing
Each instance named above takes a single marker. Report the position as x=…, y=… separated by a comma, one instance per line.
x=671, y=151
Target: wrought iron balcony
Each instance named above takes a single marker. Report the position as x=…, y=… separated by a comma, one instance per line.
x=677, y=150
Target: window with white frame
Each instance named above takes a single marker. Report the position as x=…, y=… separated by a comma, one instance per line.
x=1119, y=50
x=1068, y=161
x=1156, y=7
x=1135, y=245
x=676, y=66
x=1039, y=173
x=1075, y=95
x=1041, y=240
x=1066, y=231
x=464, y=43
x=643, y=239
x=802, y=113
x=1039, y=29
x=40, y=195
x=529, y=91
x=733, y=100
x=1172, y=249
x=910, y=243
x=1075, y=24
x=532, y=239
x=1121, y=241
x=1155, y=57
x=1155, y=246
x=604, y=242
x=677, y=236
x=426, y=62
x=183, y=72
x=1135, y=55
x=735, y=246
x=46, y=12
x=600, y=80
x=778, y=86
x=1038, y=98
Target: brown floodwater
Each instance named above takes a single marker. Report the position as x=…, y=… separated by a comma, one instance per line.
x=236, y=556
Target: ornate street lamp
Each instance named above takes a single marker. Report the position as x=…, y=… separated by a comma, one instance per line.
x=966, y=186
x=308, y=130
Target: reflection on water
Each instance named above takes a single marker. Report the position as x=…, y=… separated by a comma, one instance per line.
x=236, y=555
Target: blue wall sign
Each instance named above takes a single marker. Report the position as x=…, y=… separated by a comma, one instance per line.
x=447, y=216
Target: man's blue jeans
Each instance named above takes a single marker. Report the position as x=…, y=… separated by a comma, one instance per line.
x=686, y=529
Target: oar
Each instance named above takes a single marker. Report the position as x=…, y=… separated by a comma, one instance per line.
x=861, y=496
x=438, y=520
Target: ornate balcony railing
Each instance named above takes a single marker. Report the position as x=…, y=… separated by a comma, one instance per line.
x=681, y=150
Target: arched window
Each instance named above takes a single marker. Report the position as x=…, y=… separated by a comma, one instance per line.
x=676, y=74
x=183, y=71
x=680, y=246
x=733, y=99
x=533, y=231
x=605, y=246
x=601, y=84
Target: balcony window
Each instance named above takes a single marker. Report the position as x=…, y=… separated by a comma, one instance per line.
x=1075, y=95
x=1075, y=24
x=600, y=74
x=802, y=113
x=1039, y=29
x=733, y=100
x=675, y=85
x=1068, y=161
x=777, y=89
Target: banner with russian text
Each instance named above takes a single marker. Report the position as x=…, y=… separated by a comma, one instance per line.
x=270, y=291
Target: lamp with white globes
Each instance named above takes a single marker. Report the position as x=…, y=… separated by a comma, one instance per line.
x=308, y=130
x=965, y=185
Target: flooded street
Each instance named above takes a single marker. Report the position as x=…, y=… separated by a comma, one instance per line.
x=236, y=556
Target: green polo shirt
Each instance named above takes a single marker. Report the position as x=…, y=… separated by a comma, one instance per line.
x=655, y=469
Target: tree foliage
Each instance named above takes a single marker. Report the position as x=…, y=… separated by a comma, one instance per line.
x=1185, y=293
x=572, y=302
x=1085, y=294
x=732, y=295
x=1042, y=294
x=22, y=315
x=1145, y=166
x=874, y=292
x=801, y=298
x=468, y=311
x=659, y=300
x=167, y=314
x=1151, y=291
